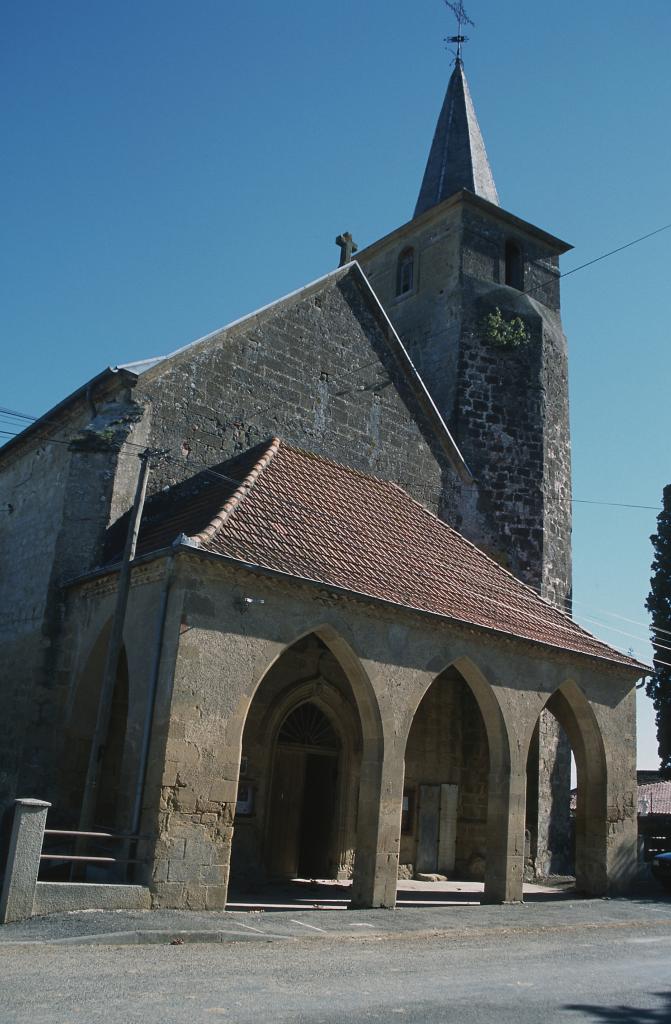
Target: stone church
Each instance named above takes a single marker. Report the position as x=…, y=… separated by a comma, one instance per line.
x=346, y=648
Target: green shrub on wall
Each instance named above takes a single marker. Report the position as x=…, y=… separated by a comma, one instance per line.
x=504, y=333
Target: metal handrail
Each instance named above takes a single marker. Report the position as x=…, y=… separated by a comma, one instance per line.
x=78, y=858
x=94, y=835
x=89, y=860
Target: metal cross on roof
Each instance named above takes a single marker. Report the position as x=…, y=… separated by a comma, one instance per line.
x=462, y=19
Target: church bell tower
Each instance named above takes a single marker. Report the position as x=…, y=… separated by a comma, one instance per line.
x=473, y=292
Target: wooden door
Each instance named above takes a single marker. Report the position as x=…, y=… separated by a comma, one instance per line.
x=286, y=802
x=317, y=816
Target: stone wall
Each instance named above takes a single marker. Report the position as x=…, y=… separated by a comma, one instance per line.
x=507, y=408
x=65, y=483
x=315, y=371
x=215, y=656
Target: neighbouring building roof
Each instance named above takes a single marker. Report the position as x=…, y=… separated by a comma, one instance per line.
x=458, y=158
x=654, y=794
x=299, y=514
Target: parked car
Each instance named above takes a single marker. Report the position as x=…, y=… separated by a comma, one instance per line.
x=661, y=869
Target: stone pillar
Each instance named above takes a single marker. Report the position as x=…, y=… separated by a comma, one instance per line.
x=505, y=837
x=591, y=862
x=190, y=861
x=606, y=833
x=622, y=849
x=379, y=832
x=23, y=860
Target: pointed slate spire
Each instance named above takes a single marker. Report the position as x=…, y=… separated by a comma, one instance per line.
x=458, y=158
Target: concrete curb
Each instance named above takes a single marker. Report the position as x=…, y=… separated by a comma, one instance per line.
x=182, y=937
x=151, y=938
x=456, y=923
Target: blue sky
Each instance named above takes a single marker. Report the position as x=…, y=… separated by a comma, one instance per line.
x=168, y=167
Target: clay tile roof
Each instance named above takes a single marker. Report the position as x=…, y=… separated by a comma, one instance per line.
x=654, y=797
x=303, y=515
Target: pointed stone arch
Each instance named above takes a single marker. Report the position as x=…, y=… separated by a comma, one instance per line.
x=112, y=800
x=490, y=709
x=569, y=705
x=496, y=775
x=364, y=693
x=349, y=701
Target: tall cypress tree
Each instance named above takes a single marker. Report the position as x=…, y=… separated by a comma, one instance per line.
x=658, y=687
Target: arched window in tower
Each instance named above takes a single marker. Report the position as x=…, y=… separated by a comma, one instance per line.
x=514, y=265
x=405, y=272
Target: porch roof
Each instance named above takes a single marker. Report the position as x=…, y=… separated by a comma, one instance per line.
x=299, y=514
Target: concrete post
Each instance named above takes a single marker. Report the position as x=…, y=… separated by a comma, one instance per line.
x=23, y=860
x=504, y=872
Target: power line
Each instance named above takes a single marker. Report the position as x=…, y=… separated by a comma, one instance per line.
x=567, y=273
x=612, y=252
x=622, y=632
x=597, y=259
x=356, y=370
x=578, y=501
x=353, y=373
x=614, y=504
x=19, y=415
x=634, y=622
x=653, y=640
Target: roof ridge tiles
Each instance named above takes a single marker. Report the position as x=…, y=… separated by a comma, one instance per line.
x=240, y=493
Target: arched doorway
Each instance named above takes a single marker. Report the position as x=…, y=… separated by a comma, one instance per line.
x=445, y=797
x=303, y=796
x=300, y=771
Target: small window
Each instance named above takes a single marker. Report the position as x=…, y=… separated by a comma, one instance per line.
x=244, y=807
x=408, y=812
x=405, y=272
x=514, y=266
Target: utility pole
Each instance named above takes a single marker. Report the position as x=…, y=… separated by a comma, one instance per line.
x=113, y=650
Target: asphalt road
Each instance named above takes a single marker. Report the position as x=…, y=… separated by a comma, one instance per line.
x=607, y=972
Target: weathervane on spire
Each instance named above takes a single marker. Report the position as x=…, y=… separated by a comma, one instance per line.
x=462, y=19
